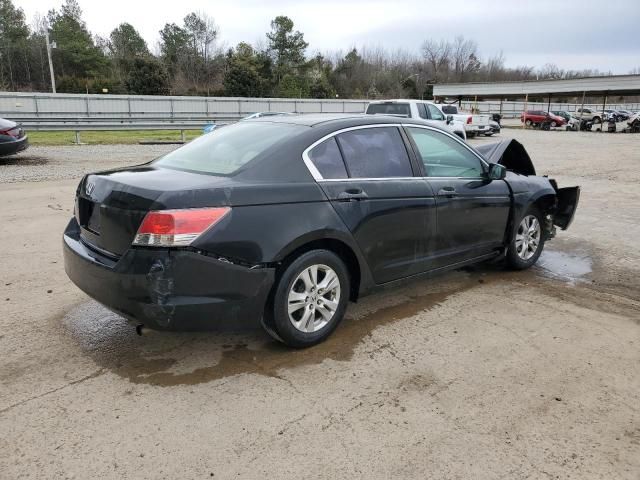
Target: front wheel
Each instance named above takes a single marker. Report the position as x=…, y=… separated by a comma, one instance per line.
x=310, y=299
x=527, y=243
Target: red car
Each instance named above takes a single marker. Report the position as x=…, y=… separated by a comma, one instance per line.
x=538, y=117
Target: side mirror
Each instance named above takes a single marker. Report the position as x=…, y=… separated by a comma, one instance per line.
x=449, y=119
x=497, y=172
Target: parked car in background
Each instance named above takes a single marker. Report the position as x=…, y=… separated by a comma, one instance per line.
x=474, y=123
x=13, y=138
x=589, y=114
x=628, y=113
x=284, y=221
x=266, y=114
x=495, y=128
x=210, y=127
x=419, y=109
x=572, y=122
x=535, y=118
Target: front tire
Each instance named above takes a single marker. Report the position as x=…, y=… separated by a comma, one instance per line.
x=527, y=242
x=310, y=299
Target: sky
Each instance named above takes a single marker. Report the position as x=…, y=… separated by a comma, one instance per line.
x=573, y=34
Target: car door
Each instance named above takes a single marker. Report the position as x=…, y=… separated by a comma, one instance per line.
x=367, y=174
x=472, y=211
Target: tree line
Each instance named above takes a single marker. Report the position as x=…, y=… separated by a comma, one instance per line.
x=190, y=60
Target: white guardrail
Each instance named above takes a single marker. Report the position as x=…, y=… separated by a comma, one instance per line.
x=44, y=111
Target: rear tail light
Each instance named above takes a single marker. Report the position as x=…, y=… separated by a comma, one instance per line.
x=177, y=228
x=469, y=120
x=13, y=132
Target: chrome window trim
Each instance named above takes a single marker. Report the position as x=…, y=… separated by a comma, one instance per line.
x=483, y=162
x=312, y=168
x=319, y=178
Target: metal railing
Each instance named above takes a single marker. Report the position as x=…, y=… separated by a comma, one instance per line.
x=77, y=112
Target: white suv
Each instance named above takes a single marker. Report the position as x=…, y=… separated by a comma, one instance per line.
x=427, y=111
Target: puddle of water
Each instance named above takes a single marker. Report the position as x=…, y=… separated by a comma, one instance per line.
x=170, y=359
x=571, y=267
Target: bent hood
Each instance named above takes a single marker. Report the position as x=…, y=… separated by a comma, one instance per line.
x=509, y=153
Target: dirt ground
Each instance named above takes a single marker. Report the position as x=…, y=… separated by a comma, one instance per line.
x=480, y=373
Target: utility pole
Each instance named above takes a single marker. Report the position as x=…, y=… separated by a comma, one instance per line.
x=49, y=46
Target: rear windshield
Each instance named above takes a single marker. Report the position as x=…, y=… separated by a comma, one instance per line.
x=389, y=109
x=449, y=110
x=227, y=149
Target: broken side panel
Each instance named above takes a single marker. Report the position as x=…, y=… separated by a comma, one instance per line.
x=567, y=202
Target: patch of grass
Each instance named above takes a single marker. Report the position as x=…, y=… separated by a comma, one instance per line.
x=127, y=137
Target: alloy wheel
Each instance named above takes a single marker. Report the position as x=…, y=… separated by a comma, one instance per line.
x=528, y=237
x=313, y=298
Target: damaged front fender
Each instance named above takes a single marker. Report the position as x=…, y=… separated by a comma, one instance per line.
x=509, y=153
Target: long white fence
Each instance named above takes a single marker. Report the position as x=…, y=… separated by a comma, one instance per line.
x=139, y=107
x=42, y=109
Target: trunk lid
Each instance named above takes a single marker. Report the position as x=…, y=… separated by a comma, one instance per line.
x=110, y=206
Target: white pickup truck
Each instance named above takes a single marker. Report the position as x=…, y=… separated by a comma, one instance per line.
x=427, y=111
x=474, y=124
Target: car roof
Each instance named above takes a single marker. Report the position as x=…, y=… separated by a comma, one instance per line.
x=315, y=119
x=337, y=121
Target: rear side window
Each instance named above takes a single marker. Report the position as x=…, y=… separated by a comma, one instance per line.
x=389, y=109
x=327, y=159
x=375, y=153
x=229, y=148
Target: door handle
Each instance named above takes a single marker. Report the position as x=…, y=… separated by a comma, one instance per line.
x=352, y=195
x=447, y=192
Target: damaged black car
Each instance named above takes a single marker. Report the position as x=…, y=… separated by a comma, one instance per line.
x=282, y=221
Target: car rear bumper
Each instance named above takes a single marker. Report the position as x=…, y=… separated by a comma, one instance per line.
x=477, y=128
x=13, y=147
x=169, y=289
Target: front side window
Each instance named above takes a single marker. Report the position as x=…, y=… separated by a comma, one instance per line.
x=422, y=111
x=443, y=156
x=435, y=113
x=226, y=150
x=449, y=109
x=327, y=159
x=375, y=153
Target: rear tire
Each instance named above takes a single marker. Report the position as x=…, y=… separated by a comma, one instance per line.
x=528, y=240
x=528, y=122
x=309, y=300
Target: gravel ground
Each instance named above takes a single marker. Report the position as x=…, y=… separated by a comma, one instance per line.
x=480, y=373
x=39, y=164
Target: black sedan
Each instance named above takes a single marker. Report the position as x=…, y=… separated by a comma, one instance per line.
x=13, y=138
x=284, y=220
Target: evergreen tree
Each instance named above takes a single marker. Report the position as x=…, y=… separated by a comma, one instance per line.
x=76, y=54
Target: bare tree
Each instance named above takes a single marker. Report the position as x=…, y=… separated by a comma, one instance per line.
x=465, y=57
x=495, y=67
x=437, y=54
